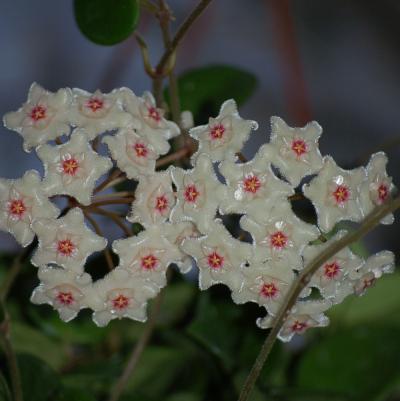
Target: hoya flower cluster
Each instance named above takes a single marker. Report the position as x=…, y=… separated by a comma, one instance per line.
x=180, y=209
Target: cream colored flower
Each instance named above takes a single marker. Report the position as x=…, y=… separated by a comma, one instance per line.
x=134, y=153
x=62, y=289
x=252, y=187
x=72, y=168
x=335, y=193
x=154, y=199
x=295, y=150
x=66, y=241
x=42, y=118
x=22, y=201
x=199, y=194
x=219, y=257
x=224, y=135
x=98, y=112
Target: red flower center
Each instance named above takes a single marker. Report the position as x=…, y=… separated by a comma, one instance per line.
x=141, y=149
x=65, y=298
x=331, y=270
x=38, y=113
x=299, y=147
x=120, y=302
x=191, y=193
x=161, y=203
x=341, y=194
x=269, y=290
x=278, y=240
x=154, y=114
x=66, y=247
x=70, y=166
x=217, y=132
x=215, y=261
x=17, y=208
x=149, y=262
x=383, y=192
x=298, y=326
x=251, y=184
x=95, y=104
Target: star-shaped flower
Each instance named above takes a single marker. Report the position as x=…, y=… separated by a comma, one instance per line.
x=98, y=112
x=335, y=193
x=266, y=284
x=154, y=199
x=147, y=255
x=42, y=118
x=224, y=135
x=295, y=150
x=252, y=187
x=22, y=201
x=282, y=237
x=63, y=289
x=219, y=257
x=134, y=153
x=72, y=168
x=378, y=187
x=304, y=315
x=331, y=278
x=66, y=241
x=151, y=122
x=118, y=295
x=198, y=193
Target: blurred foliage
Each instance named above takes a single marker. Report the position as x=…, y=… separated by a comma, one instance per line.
x=106, y=22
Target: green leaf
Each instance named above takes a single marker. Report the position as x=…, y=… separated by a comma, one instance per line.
x=39, y=381
x=5, y=394
x=358, y=363
x=106, y=22
x=380, y=305
x=75, y=394
x=203, y=90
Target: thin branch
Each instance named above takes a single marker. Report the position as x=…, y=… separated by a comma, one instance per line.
x=368, y=224
x=97, y=229
x=115, y=218
x=180, y=34
x=172, y=157
x=106, y=183
x=137, y=351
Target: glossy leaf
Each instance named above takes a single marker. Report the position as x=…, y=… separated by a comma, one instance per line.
x=106, y=22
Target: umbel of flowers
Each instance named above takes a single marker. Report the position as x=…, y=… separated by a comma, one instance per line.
x=178, y=208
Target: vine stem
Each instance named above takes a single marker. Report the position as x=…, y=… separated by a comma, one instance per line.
x=179, y=154
x=368, y=224
x=137, y=351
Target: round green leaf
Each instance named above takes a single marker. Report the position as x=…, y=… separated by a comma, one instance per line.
x=106, y=22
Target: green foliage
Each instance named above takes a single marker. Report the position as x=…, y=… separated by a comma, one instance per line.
x=107, y=22
x=202, y=90
x=5, y=394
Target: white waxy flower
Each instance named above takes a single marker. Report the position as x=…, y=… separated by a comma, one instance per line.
x=252, y=187
x=154, y=199
x=282, y=237
x=150, y=119
x=219, y=257
x=377, y=188
x=42, y=118
x=198, y=193
x=304, y=315
x=224, y=135
x=62, y=289
x=72, y=168
x=66, y=241
x=119, y=295
x=295, y=150
x=335, y=193
x=187, y=119
x=331, y=279
x=134, y=153
x=374, y=267
x=98, y=112
x=266, y=284
x=147, y=255
x=22, y=201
